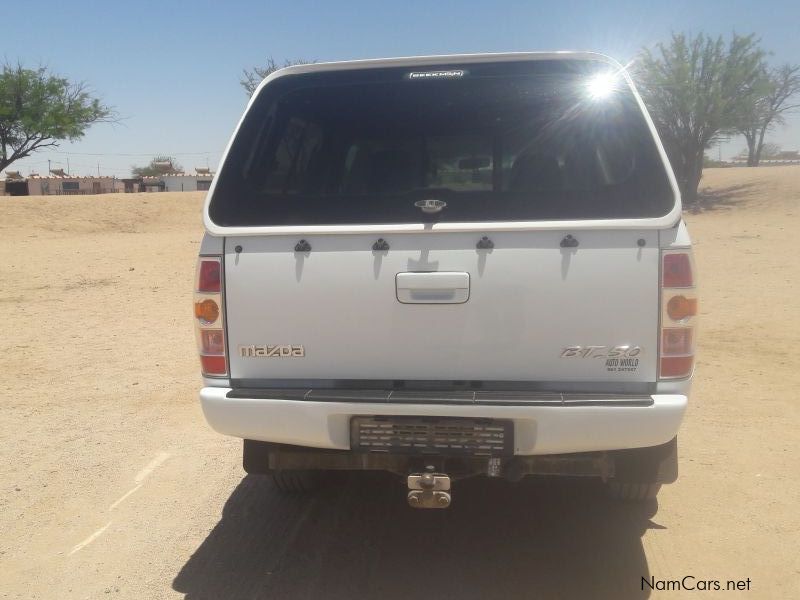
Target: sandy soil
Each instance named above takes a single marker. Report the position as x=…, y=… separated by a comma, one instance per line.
x=112, y=485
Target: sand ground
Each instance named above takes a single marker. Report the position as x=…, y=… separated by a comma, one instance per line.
x=112, y=485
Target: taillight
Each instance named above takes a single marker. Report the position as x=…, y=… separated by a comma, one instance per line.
x=207, y=311
x=212, y=341
x=678, y=312
x=676, y=341
x=680, y=307
x=210, y=317
x=209, y=277
x=676, y=270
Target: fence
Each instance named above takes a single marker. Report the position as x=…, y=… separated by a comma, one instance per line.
x=766, y=162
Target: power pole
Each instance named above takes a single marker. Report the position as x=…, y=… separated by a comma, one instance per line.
x=68, y=165
x=48, y=168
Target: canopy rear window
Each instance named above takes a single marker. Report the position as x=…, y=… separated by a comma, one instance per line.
x=496, y=142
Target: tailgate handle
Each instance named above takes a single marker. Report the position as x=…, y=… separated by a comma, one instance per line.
x=569, y=242
x=437, y=287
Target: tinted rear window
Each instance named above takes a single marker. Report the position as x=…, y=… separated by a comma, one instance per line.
x=498, y=142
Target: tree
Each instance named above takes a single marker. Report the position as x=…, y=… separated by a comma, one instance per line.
x=251, y=78
x=777, y=97
x=698, y=89
x=160, y=165
x=770, y=151
x=39, y=110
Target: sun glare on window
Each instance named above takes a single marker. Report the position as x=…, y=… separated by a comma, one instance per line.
x=602, y=85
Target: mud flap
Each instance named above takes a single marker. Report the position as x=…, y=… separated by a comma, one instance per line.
x=656, y=464
x=255, y=457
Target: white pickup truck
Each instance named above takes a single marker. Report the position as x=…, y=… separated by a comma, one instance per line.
x=445, y=267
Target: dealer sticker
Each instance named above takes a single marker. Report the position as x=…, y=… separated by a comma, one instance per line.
x=617, y=359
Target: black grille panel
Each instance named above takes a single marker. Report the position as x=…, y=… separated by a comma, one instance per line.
x=424, y=435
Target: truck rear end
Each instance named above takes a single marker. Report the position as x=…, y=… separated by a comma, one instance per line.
x=445, y=267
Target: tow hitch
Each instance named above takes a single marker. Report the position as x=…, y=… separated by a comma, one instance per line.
x=429, y=490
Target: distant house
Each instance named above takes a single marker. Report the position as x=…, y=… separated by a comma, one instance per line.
x=132, y=184
x=152, y=184
x=15, y=184
x=198, y=181
x=58, y=183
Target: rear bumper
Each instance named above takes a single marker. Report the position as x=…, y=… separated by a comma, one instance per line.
x=538, y=429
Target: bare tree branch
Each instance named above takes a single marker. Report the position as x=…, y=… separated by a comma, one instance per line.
x=778, y=89
x=253, y=77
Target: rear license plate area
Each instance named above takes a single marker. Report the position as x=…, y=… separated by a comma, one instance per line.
x=444, y=436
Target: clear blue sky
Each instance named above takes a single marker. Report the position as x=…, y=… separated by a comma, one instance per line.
x=172, y=69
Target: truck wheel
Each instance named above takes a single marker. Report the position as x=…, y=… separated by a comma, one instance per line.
x=632, y=492
x=295, y=482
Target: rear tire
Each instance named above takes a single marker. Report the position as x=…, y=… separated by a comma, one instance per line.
x=295, y=482
x=632, y=492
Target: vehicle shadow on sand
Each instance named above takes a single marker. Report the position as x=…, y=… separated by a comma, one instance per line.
x=358, y=539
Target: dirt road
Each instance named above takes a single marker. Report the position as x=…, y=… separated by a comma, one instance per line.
x=111, y=484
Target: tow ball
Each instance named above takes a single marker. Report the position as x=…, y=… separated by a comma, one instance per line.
x=429, y=490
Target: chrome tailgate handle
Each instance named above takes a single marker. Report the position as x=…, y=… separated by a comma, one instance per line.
x=436, y=287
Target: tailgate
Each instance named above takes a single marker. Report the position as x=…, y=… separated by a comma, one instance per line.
x=435, y=307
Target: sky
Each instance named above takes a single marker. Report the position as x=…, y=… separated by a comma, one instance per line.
x=171, y=69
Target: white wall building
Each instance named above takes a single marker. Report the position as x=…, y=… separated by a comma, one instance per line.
x=187, y=182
